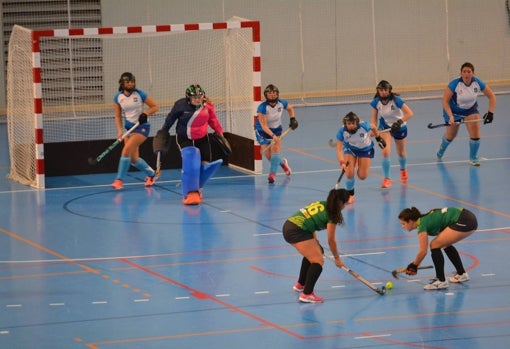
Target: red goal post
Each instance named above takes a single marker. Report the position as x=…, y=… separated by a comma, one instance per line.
x=62, y=82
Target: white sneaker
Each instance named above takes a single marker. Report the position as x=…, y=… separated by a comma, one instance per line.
x=460, y=278
x=436, y=284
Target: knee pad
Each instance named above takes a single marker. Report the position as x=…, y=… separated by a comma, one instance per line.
x=208, y=170
x=190, y=174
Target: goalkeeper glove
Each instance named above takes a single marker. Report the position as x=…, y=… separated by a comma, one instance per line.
x=381, y=142
x=293, y=123
x=142, y=119
x=488, y=117
x=396, y=125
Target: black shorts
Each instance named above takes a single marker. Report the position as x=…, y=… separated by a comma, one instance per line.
x=293, y=234
x=466, y=222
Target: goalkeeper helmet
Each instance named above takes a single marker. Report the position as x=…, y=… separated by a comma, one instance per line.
x=195, y=91
x=125, y=77
x=271, y=88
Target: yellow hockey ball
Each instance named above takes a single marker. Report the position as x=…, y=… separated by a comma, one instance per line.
x=389, y=285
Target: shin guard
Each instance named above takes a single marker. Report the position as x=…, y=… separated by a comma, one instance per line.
x=208, y=170
x=190, y=174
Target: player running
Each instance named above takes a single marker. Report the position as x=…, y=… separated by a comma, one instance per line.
x=393, y=113
x=268, y=128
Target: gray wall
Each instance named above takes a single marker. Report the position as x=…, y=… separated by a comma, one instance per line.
x=323, y=47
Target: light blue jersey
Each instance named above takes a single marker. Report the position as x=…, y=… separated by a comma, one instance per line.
x=132, y=106
x=359, y=140
x=464, y=100
x=391, y=111
x=273, y=114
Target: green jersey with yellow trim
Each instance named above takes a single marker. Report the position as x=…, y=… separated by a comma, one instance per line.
x=436, y=220
x=312, y=217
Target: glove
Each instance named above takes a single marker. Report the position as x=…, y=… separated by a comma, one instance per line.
x=488, y=117
x=381, y=142
x=396, y=125
x=142, y=119
x=294, y=124
x=412, y=269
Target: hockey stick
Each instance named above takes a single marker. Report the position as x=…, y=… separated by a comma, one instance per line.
x=157, y=173
x=341, y=175
x=100, y=157
x=431, y=126
x=403, y=270
x=273, y=142
x=360, y=278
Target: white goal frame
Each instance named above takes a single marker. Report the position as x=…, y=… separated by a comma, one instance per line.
x=33, y=144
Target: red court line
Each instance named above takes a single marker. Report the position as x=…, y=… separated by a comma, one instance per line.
x=200, y=295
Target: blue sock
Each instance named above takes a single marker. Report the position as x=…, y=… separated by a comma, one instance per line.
x=403, y=162
x=386, y=163
x=474, y=145
x=143, y=166
x=276, y=160
x=124, y=163
x=349, y=183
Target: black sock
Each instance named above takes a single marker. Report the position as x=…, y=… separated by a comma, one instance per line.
x=454, y=257
x=314, y=272
x=438, y=259
x=305, y=265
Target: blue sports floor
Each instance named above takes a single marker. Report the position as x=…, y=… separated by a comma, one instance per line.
x=84, y=266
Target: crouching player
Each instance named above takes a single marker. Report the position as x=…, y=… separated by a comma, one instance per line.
x=194, y=115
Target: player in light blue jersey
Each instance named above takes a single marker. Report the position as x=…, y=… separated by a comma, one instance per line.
x=129, y=104
x=268, y=128
x=391, y=112
x=355, y=148
x=460, y=105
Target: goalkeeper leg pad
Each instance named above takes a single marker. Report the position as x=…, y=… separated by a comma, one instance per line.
x=190, y=175
x=208, y=170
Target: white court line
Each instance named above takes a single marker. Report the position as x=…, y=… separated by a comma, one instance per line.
x=4, y=332
x=223, y=295
x=13, y=305
x=141, y=300
x=99, y=302
x=56, y=304
x=261, y=292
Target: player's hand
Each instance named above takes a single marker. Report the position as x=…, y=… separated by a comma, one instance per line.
x=412, y=269
x=381, y=142
x=142, y=119
x=293, y=123
x=396, y=125
x=488, y=118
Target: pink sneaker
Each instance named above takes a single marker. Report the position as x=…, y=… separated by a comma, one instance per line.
x=271, y=177
x=286, y=167
x=386, y=183
x=310, y=298
x=404, y=175
x=298, y=287
x=149, y=181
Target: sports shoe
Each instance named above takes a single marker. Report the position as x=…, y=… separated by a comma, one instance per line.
x=436, y=284
x=459, y=278
x=440, y=152
x=193, y=198
x=117, y=184
x=386, y=183
x=298, y=287
x=474, y=162
x=403, y=175
x=351, y=199
x=271, y=177
x=310, y=298
x=285, y=167
x=149, y=181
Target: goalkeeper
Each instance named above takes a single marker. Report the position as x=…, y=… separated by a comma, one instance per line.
x=268, y=128
x=194, y=114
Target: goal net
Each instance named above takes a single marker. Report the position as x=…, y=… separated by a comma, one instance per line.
x=61, y=83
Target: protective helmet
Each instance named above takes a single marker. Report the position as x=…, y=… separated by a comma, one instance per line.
x=127, y=76
x=271, y=88
x=351, y=117
x=194, y=90
x=384, y=85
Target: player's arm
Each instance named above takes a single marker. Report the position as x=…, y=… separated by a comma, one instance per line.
x=373, y=123
x=153, y=107
x=423, y=240
x=263, y=124
x=447, y=95
x=333, y=247
x=118, y=119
